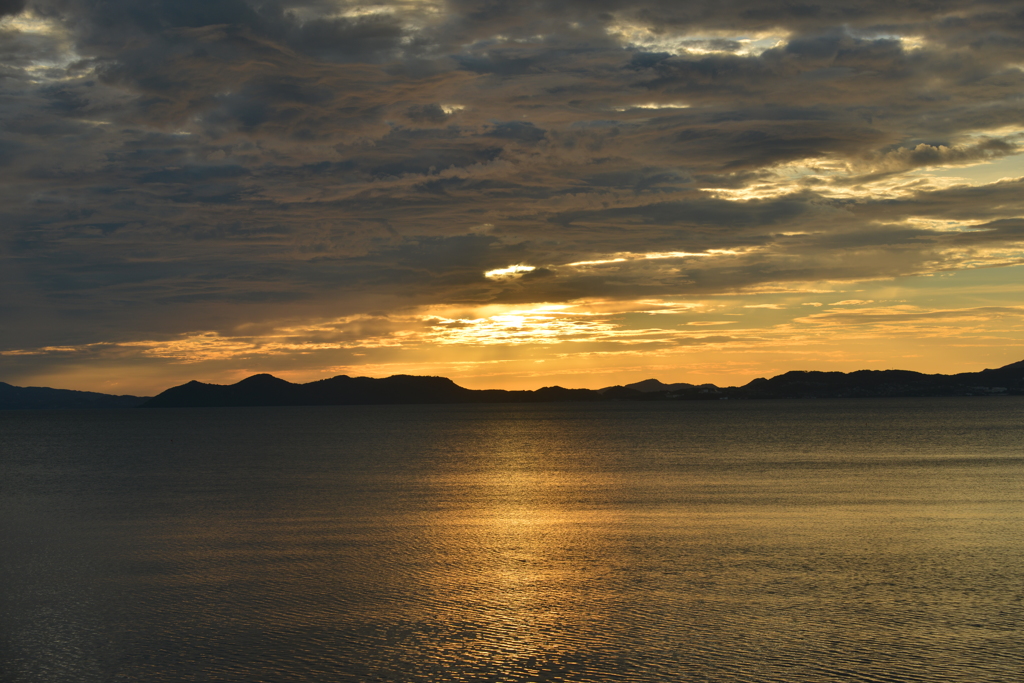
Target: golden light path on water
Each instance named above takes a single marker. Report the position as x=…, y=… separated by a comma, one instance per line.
x=789, y=541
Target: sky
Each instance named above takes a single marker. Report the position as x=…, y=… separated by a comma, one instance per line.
x=510, y=194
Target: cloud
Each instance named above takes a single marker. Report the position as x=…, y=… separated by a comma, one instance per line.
x=176, y=166
x=523, y=131
x=905, y=314
x=924, y=155
x=344, y=39
x=11, y=7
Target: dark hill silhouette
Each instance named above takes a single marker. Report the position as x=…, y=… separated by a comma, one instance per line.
x=649, y=385
x=878, y=383
x=620, y=393
x=267, y=390
x=20, y=398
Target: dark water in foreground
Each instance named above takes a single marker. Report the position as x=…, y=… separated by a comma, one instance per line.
x=845, y=540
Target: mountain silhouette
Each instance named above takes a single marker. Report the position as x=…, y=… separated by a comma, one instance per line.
x=13, y=398
x=649, y=385
x=1008, y=380
x=267, y=390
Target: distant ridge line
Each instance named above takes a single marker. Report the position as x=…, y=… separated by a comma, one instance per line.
x=21, y=398
x=267, y=390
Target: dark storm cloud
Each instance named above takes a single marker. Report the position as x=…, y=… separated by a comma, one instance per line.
x=11, y=7
x=9, y=150
x=523, y=131
x=749, y=145
x=699, y=212
x=1004, y=198
x=432, y=113
x=197, y=164
x=346, y=39
x=113, y=26
x=1011, y=230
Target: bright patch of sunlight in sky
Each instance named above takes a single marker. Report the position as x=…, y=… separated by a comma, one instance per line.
x=510, y=271
x=705, y=43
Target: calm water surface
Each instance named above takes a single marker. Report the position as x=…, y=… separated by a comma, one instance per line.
x=844, y=540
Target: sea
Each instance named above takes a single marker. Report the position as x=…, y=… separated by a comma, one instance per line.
x=777, y=540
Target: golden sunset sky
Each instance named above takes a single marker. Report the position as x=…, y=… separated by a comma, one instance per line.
x=510, y=194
